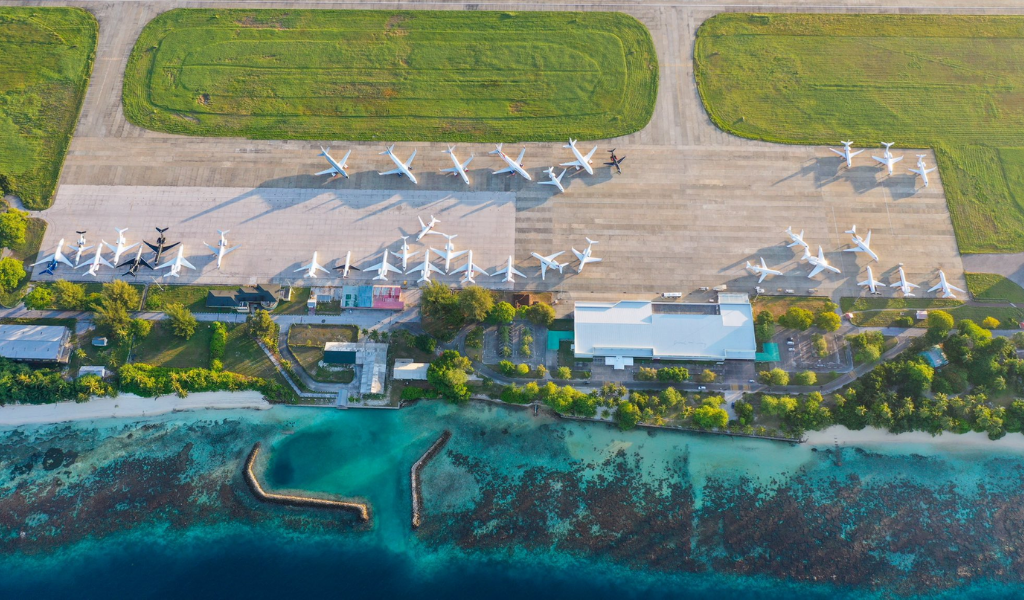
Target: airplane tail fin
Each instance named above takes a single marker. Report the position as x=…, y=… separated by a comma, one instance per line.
x=387, y=149
x=450, y=150
x=162, y=230
x=324, y=152
x=497, y=149
x=590, y=241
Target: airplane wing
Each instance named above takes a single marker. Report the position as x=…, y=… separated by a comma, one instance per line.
x=408, y=163
x=953, y=287
x=42, y=260
x=166, y=248
x=838, y=152
x=165, y=265
x=391, y=172
x=304, y=267
x=579, y=255
x=466, y=164
x=590, y=154
x=918, y=171
x=331, y=171
x=930, y=170
x=763, y=276
x=519, y=161
x=548, y=182
x=505, y=170
x=591, y=259
x=215, y=250
x=232, y=249
x=574, y=163
x=185, y=263
x=451, y=170
x=817, y=269
x=392, y=268
x=65, y=260
x=461, y=269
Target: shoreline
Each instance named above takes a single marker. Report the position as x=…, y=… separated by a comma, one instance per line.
x=126, y=406
x=947, y=441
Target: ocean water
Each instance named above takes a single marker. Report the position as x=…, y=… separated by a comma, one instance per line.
x=515, y=505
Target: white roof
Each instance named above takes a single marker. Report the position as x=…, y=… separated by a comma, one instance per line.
x=666, y=330
x=407, y=370
x=33, y=342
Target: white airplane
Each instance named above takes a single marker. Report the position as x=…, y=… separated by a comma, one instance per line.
x=79, y=248
x=763, y=270
x=585, y=257
x=552, y=180
x=549, y=262
x=403, y=168
x=426, y=228
x=97, y=261
x=312, y=268
x=425, y=268
x=458, y=169
x=337, y=168
x=887, y=158
x=406, y=255
x=514, y=166
x=176, y=264
x=798, y=238
x=871, y=283
x=53, y=259
x=581, y=162
x=904, y=285
x=221, y=249
x=819, y=262
x=862, y=244
x=470, y=269
x=509, y=271
x=946, y=289
x=922, y=170
x=383, y=267
x=846, y=153
x=120, y=248
x=448, y=254
x=345, y=268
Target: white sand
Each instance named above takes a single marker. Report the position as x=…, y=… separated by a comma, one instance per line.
x=126, y=405
x=870, y=436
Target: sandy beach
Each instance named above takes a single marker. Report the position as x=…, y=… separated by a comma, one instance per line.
x=126, y=405
x=870, y=436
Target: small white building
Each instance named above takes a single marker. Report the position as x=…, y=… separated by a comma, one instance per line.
x=622, y=331
x=370, y=358
x=407, y=370
x=35, y=343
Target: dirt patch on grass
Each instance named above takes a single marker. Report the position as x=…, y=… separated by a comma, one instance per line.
x=203, y=99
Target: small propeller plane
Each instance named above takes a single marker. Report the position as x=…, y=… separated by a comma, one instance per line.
x=945, y=289
x=425, y=268
x=509, y=272
x=861, y=244
x=797, y=238
x=345, y=268
x=402, y=168
x=585, y=256
x=514, y=166
x=312, y=268
x=552, y=180
x=121, y=248
x=176, y=264
x=819, y=262
x=337, y=168
x=922, y=170
x=846, y=153
x=887, y=158
x=52, y=260
x=763, y=270
x=134, y=264
x=581, y=162
x=615, y=161
x=458, y=169
x=904, y=285
x=97, y=261
x=470, y=269
x=871, y=283
x=549, y=262
x=383, y=267
x=221, y=249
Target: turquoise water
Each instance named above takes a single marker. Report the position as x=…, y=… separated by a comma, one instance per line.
x=515, y=504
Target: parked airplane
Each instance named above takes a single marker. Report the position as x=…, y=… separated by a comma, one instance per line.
x=97, y=261
x=425, y=268
x=615, y=161
x=403, y=168
x=133, y=264
x=53, y=259
x=80, y=247
x=312, y=268
x=555, y=181
x=549, y=262
x=337, y=168
x=448, y=254
x=161, y=245
x=120, y=248
x=763, y=270
x=509, y=271
x=585, y=257
x=514, y=166
x=904, y=285
x=470, y=269
x=946, y=289
x=581, y=162
x=426, y=228
x=406, y=255
x=798, y=238
x=383, y=267
x=221, y=249
x=176, y=264
x=345, y=268
x=922, y=170
x=862, y=244
x=887, y=158
x=819, y=262
x=458, y=169
x=871, y=283
x=846, y=153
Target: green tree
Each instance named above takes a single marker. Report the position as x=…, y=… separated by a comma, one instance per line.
x=183, y=323
x=707, y=376
x=774, y=377
x=805, y=378
x=764, y=327
x=940, y=320
x=116, y=318
x=646, y=374
x=68, y=296
x=676, y=374
x=13, y=224
x=475, y=303
x=820, y=345
x=502, y=313
x=710, y=417
x=828, y=321
x=797, y=318
x=140, y=328
x=671, y=398
x=425, y=342
x=778, y=406
x=541, y=314
x=990, y=323
x=867, y=354
x=744, y=412
x=563, y=373
x=541, y=371
x=440, y=308
x=119, y=292
x=448, y=375
x=627, y=415
x=507, y=367
x=261, y=327
x=40, y=298
x=11, y=273
x=522, y=369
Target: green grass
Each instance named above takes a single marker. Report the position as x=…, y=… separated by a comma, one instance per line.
x=1008, y=317
x=25, y=252
x=947, y=82
x=309, y=358
x=306, y=342
x=192, y=296
x=392, y=75
x=295, y=306
x=91, y=288
x=164, y=349
x=989, y=287
x=243, y=355
x=778, y=305
x=849, y=304
x=47, y=56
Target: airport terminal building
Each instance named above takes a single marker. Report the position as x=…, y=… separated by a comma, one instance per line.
x=619, y=332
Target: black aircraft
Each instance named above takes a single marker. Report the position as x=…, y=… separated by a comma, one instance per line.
x=161, y=246
x=615, y=161
x=133, y=264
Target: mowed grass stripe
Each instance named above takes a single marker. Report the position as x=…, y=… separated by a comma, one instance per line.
x=46, y=57
x=413, y=75
x=952, y=83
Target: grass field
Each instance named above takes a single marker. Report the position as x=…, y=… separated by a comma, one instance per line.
x=243, y=355
x=848, y=304
x=392, y=75
x=1008, y=317
x=989, y=287
x=952, y=83
x=778, y=305
x=26, y=253
x=164, y=349
x=47, y=56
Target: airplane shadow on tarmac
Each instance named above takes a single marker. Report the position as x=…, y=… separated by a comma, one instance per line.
x=863, y=178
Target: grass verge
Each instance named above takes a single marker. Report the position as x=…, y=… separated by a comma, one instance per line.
x=162, y=348
x=989, y=287
x=25, y=252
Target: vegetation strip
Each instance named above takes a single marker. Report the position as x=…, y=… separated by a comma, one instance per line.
x=392, y=75
x=361, y=509
x=940, y=81
x=417, y=491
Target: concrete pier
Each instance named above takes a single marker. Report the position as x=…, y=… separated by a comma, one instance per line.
x=417, y=502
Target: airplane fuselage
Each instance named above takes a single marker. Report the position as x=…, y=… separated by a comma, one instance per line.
x=516, y=167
